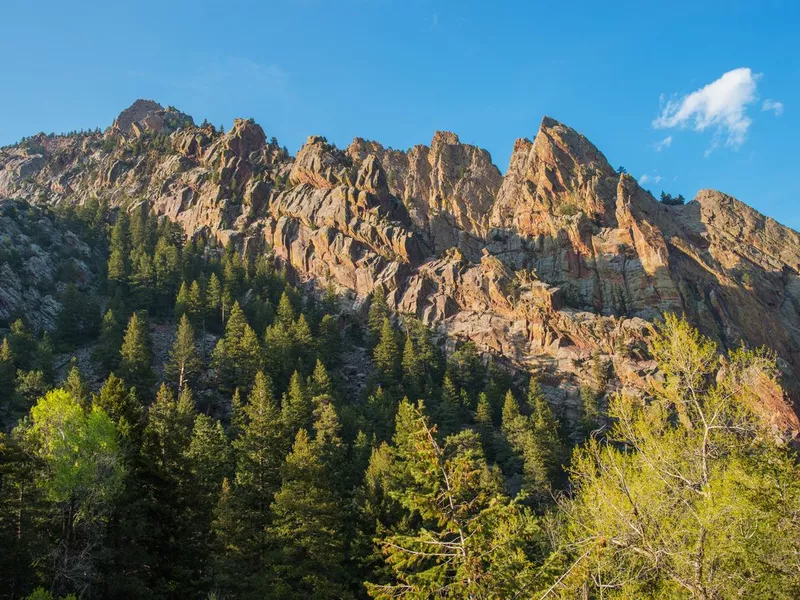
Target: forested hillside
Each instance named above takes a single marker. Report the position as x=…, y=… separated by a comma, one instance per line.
x=198, y=425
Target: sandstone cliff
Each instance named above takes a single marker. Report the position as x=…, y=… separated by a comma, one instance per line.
x=559, y=260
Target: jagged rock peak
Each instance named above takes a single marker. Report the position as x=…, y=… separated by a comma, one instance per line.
x=148, y=116
x=245, y=137
x=444, y=138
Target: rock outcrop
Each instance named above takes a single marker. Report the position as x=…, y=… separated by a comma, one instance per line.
x=560, y=259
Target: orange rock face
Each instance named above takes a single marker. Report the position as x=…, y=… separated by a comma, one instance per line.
x=560, y=258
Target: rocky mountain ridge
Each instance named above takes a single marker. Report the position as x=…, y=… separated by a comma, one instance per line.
x=551, y=265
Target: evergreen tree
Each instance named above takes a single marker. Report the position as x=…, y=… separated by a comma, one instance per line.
x=237, y=356
x=447, y=412
x=298, y=409
x=182, y=300
x=328, y=340
x=484, y=426
x=184, y=361
x=303, y=342
x=387, y=354
x=320, y=384
x=123, y=408
x=119, y=250
x=279, y=353
x=111, y=337
x=378, y=312
x=413, y=369
x=213, y=300
x=259, y=450
x=307, y=523
x=76, y=386
x=210, y=460
x=285, y=313
x=169, y=489
x=23, y=345
x=8, y=374
x=135, y=364
x=460, y=512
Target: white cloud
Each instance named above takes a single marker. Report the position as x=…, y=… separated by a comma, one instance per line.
x=721, y=105
x=657, y=179
x=644, y=178
x=665, y=143
x=773, y=105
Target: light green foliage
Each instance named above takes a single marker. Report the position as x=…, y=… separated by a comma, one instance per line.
x=80, y=449
x=81, y=475
x=690, y=496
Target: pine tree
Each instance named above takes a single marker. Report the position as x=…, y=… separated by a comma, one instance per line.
x=135, y=364
x=279, y=353
x=307, y=522
x=303, y=341
x=213, y=300
x=460, y=512
x=195, y=302
x=545, y=431
x=328, y=340
x=184, y=361
x=297, y=410
x=8, y=373
x=320, y=384
x=119, y=250
x=285, y=313
x=122, y=406
x=182, y=300
x=76, y=386
x=387, y=355
x=237, y=356
x=413, y=369
x=380, y=410
x=484, y=425
x=111, y=337
x=23, y=345
x=378, y=312
x=259, y=449
x=447, y=414
x=210, y=461
x=167, y=481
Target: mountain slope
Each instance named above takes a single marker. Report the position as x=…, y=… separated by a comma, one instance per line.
x=557, y=262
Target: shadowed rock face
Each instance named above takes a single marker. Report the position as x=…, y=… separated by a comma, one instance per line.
x=560, y=258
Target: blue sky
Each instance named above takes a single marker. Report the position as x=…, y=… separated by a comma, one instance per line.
x=622, y=73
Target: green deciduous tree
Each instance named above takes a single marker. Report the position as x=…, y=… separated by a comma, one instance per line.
x=83, y=472
x=678, y=501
